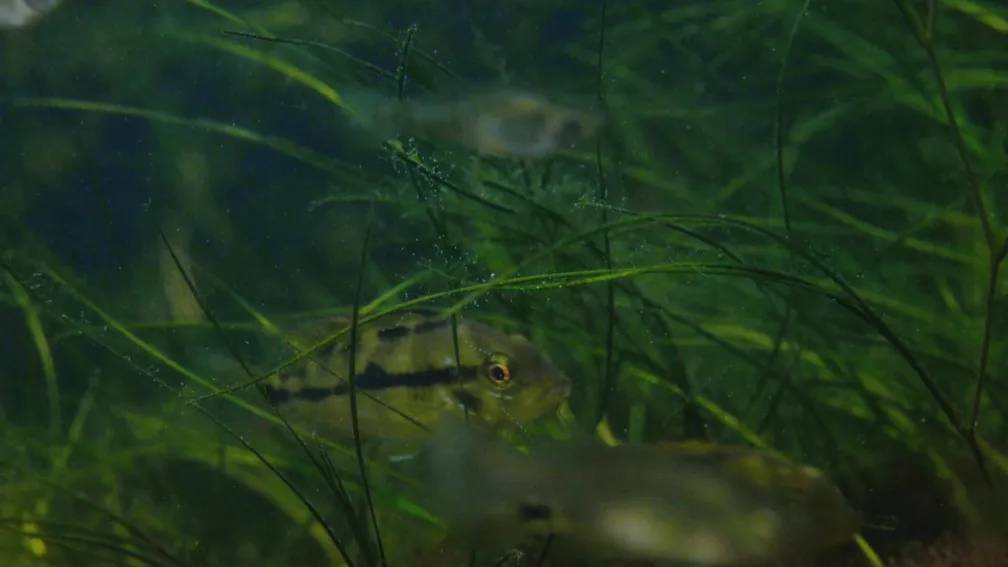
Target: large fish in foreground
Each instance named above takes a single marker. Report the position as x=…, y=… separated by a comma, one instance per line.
x=695, y=504
x=20, y=13
x=407, y=378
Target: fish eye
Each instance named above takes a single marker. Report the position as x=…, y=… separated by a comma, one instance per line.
x=496, y=369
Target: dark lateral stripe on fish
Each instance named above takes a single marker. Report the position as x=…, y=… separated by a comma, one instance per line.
x=374, y=377
x=400, y=331
x=433, y=325
x=393, y=333
x=276, y=395
x=532, y=512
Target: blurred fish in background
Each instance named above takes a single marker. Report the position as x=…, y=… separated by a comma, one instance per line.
x=501, y=123
x=20, y=13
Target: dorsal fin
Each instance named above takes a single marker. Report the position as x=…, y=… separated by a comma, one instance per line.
x=308, y=331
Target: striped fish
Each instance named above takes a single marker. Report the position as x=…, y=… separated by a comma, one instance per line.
x=407, y=378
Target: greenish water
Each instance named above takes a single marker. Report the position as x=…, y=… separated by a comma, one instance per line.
x=785, y=229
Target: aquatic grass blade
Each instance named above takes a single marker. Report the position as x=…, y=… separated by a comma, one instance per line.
x=608, y=370
x=275, y=143
x=38, y=337
x=352, y=381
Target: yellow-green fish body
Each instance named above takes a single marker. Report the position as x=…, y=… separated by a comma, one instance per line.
x=681, y=505
x=408, y=378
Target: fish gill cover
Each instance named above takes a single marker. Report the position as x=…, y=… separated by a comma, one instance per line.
x=252, y=254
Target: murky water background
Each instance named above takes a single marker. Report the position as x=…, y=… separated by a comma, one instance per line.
x=776, y=224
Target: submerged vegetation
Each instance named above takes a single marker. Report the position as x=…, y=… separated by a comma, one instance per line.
x=786, y=230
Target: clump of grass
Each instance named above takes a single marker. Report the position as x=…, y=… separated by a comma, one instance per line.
x=322, y=462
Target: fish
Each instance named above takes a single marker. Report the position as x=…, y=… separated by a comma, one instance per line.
x=407, y=378
x=502, y=123
x=20, y=13
x=696, y=504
